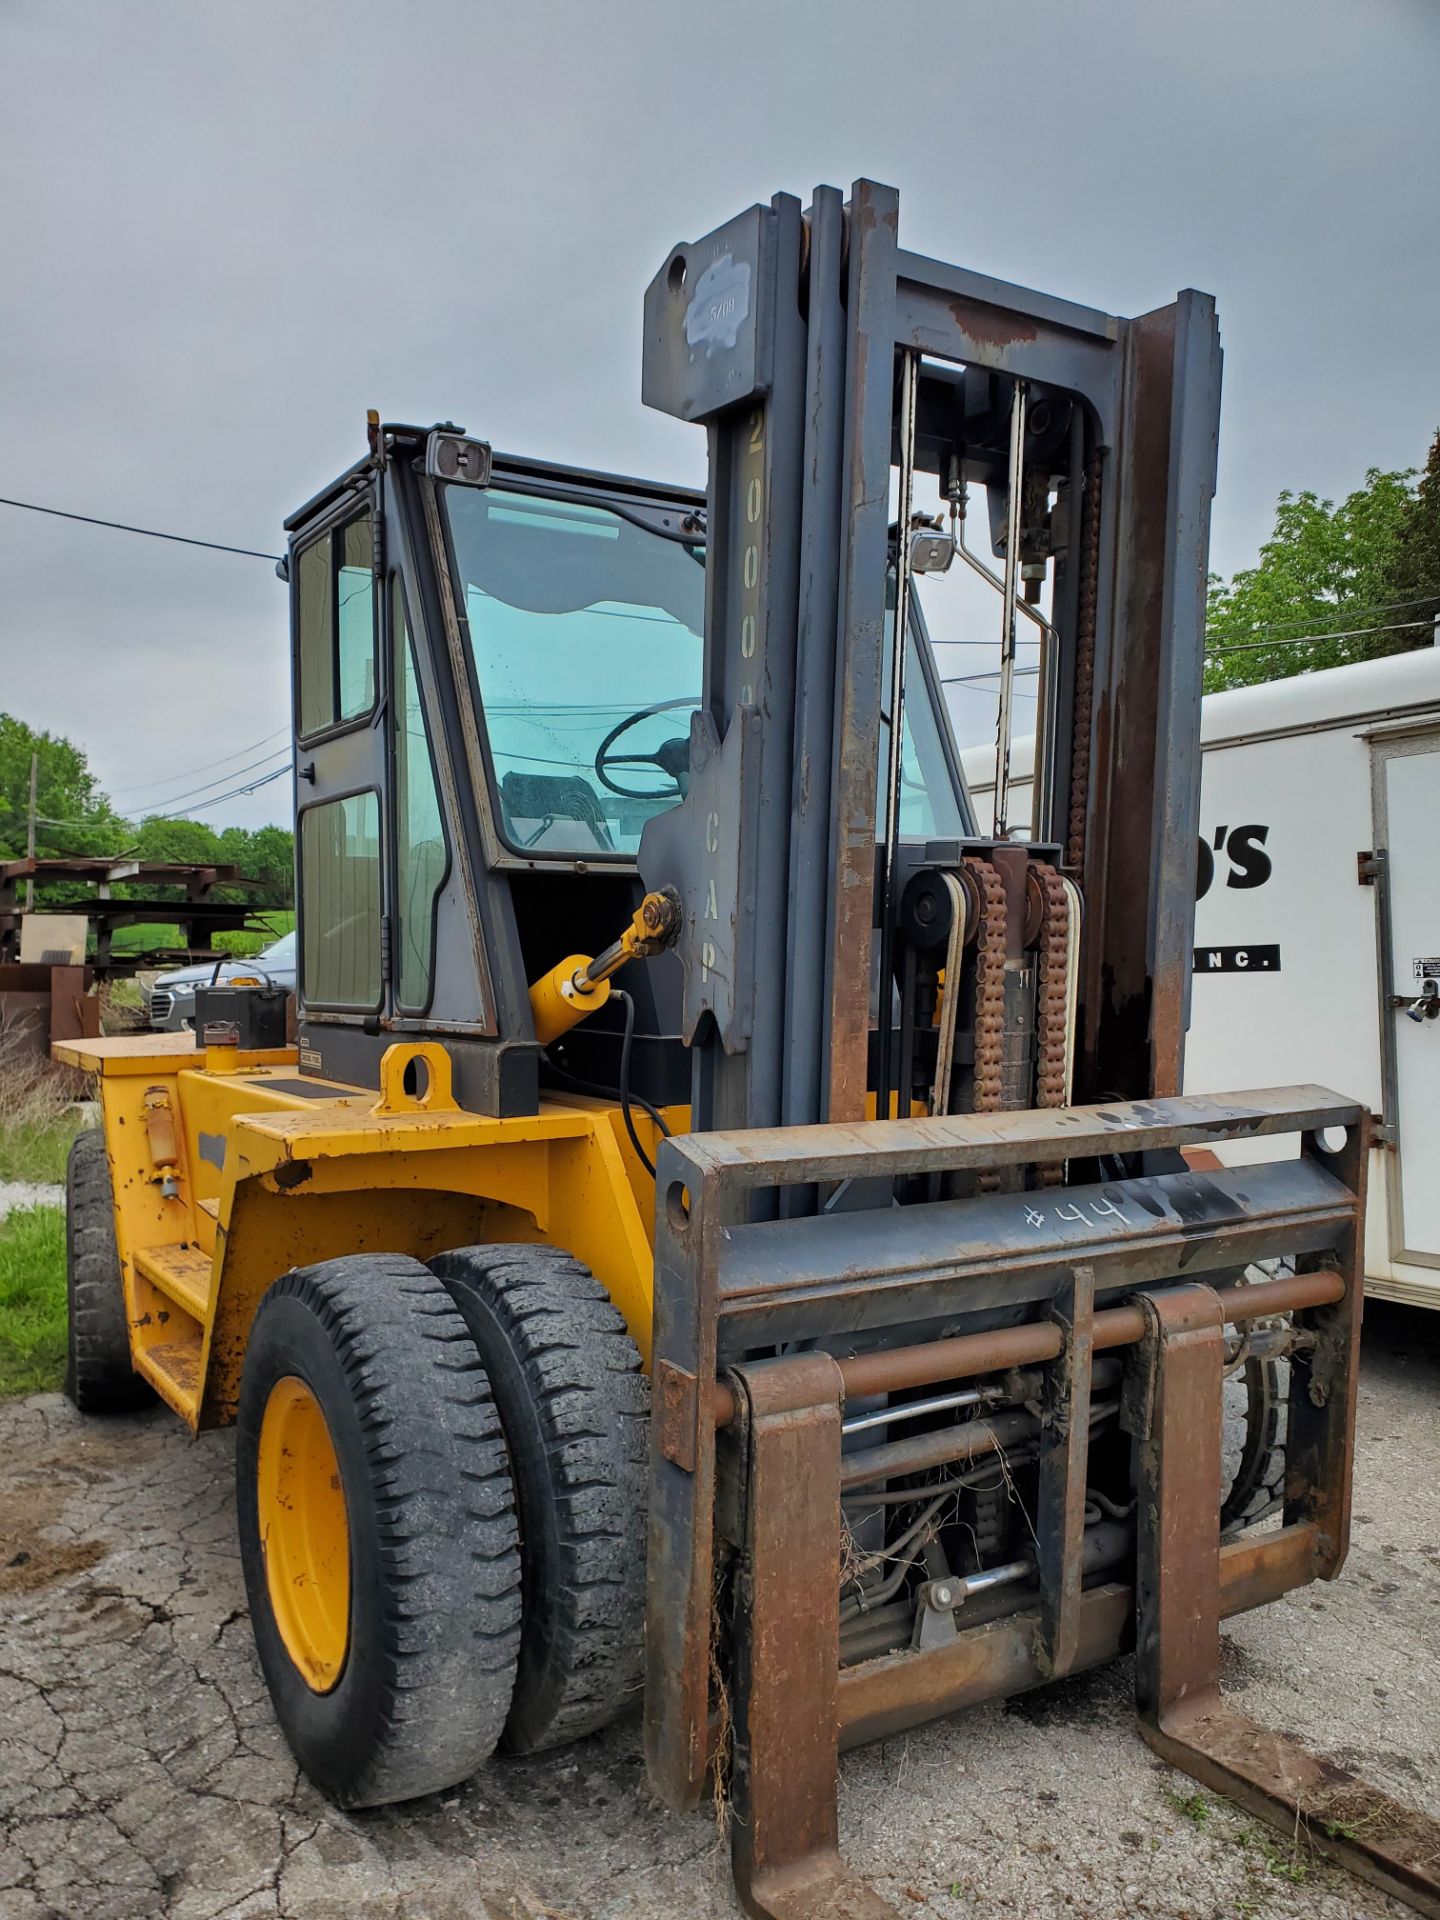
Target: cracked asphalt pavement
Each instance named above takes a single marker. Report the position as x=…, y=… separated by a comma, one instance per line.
x=141, y=1772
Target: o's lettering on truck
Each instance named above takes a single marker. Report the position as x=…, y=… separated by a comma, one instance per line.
x=1250, y=865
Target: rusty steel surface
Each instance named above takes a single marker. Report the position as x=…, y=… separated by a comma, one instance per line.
x=1174, y=1408
x=42, y=1003
x=963, y=1356
x=892, y=1369
x=1320, y=1442
x=1064, y=1464
x=885, y=1696
x=967, y=1142
x=785, y=1637
x=872, y=233
x=1084, y=665
x=681, y=1551
x=1155, y=1227
x=847, y=1277
x=964, y=1441
x=1393, y=1846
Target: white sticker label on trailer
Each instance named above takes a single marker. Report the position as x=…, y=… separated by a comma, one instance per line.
x=1254, y=959
x=1428, y=968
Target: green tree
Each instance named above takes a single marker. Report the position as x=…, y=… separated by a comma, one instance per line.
x=266, y=854
x=196, y=841
x=1322, y=592
x=73, y=815
x=1412, y=581
x=270, y=858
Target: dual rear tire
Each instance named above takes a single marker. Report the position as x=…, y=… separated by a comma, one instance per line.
x=441, y=1498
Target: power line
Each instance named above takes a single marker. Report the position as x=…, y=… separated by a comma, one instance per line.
x=142, y=786
x=968, y=679
x=235, y=794
x=95, y=826
x=180, y=813
x=1281, y=626
x=1245, y=646
x=175, y=800
x=1313, y=639
x=1346, y=612
x=121, y=526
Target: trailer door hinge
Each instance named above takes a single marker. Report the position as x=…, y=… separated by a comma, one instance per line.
x=1367, y=867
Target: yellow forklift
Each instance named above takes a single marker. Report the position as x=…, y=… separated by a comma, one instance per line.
x=721, y=1217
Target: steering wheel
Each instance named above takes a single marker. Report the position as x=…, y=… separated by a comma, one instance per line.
x=671, y=757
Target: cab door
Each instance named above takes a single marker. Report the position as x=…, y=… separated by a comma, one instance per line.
x=340, y=736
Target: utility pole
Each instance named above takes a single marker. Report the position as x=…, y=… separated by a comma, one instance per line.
x=30, y=829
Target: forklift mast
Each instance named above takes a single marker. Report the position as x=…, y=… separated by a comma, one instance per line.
x=830, y=368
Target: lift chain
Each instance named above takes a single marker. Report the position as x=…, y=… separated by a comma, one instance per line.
x=989, y=996
x=989, y=985
x=1084, y=664
x=1052, y=1001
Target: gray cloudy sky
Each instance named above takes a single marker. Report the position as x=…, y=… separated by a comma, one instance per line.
x=226, y=231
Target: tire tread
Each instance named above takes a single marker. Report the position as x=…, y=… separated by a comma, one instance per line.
x=582, y=1653
x=444, y=1512
x=99, y=1374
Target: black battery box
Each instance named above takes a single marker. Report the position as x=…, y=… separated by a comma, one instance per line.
x=251, y=1018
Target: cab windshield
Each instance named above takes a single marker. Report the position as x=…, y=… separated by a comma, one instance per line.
x=586, y=630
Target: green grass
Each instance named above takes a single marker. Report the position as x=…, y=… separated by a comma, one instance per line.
x=32, y=1301
x=38, y=1117
x=279, y=920
x=158, y=933
x=1193, y=1807
x=36, y=1149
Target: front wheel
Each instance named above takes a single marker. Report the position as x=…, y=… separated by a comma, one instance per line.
x=377, y=1529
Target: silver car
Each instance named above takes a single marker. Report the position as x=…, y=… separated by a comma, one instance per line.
x=172, y=997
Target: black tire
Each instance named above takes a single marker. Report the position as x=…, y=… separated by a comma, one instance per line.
x=575, y=1409
x=98, y=1375
x=1256, y=1419
x=434, y=1623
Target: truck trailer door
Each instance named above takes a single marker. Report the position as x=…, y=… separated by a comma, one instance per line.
x=1407, y=818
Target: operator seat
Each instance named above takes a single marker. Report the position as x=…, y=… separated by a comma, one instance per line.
x=533, y=802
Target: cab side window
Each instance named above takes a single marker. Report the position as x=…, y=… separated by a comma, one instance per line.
x=340, y=903
x=336, y=627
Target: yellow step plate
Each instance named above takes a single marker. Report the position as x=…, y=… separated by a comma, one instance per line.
x=182, y=1273
x=174, y=1372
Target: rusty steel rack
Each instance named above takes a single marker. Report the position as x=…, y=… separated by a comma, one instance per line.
x=197, y=912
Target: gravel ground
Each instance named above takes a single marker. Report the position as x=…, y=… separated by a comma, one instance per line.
x=141, y=1773
x=15, y=1194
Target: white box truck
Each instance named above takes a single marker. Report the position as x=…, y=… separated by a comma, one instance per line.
x=1317, y=925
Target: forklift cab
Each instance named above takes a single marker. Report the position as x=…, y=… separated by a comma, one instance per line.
x=496, y=663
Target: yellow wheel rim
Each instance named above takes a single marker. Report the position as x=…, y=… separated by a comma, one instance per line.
x=304, y=1533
